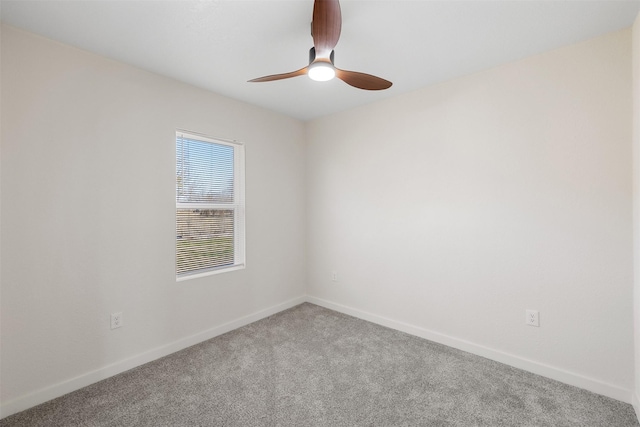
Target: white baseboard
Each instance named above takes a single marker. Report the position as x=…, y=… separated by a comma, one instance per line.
x=67, y=386
x=548, y=371
x=636, y=405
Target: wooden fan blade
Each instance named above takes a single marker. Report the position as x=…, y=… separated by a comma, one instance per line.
x=362, y=80
x=326, y=26
x=300, y=72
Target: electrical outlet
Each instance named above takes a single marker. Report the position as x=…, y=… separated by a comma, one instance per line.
x=533, y=318
x=334, y=276
x=116, y=320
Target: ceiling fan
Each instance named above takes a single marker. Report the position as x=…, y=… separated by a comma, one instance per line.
x=325, y=30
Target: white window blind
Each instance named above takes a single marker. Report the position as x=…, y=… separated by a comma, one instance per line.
x=209, y=205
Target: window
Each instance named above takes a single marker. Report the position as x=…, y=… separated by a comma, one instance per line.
x=209, y=205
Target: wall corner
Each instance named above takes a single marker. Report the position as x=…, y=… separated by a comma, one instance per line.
x=636, y=205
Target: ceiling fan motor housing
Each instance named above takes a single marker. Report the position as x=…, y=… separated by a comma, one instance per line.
x=312, y=56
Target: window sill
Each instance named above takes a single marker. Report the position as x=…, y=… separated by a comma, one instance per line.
x=209, y=273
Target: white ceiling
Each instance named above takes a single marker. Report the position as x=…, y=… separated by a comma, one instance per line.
x=219, y=45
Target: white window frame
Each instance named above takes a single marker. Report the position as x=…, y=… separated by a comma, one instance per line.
x=238, y=207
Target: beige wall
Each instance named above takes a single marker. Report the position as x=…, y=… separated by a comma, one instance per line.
x=88, y=199
x=449, y=211
x=636, y=196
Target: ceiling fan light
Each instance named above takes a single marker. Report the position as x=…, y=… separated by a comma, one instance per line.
x=321, y=72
